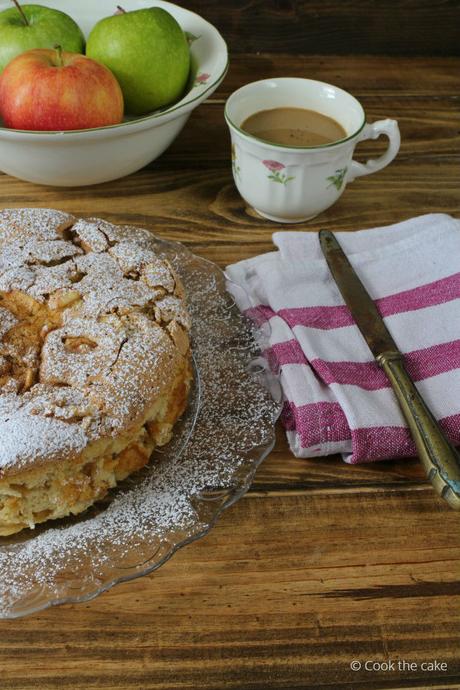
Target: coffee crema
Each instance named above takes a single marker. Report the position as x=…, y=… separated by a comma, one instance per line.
x=293, y=127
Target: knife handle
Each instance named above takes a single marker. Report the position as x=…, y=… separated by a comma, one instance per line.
x=439, y=457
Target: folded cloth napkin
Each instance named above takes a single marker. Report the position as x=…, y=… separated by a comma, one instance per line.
x=337, y=399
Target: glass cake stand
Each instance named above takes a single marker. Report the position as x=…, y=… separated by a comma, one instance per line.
x=227, y=431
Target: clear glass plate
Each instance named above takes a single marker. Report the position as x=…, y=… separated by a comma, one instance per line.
x=217, y=446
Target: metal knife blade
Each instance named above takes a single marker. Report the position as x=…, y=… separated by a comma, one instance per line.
x=356, y=297
x=440, y=459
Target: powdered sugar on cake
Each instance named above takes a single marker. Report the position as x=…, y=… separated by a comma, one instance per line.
x=112, y=345
x=157, y=510
x=23, y=430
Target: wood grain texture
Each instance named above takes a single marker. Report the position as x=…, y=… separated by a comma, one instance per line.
x=303, y=586
x=321, y=563
x=202, y=208
x=282, y=472
x=428, y=129
x=361, y=74
x=389, y=27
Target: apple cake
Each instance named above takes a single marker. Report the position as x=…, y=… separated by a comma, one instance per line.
x=95, y=364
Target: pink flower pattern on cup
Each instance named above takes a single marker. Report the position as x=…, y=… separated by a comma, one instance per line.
x=201, y=79
x=276, y=175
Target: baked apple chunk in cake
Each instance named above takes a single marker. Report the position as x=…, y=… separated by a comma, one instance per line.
x=94, y=360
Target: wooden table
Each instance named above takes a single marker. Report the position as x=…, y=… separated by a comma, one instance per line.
x=320, y=563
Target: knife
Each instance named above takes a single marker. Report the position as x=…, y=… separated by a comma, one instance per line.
x=439, y=457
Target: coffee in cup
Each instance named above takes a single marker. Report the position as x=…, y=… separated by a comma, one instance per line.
x=293, y=127
x=282, y=174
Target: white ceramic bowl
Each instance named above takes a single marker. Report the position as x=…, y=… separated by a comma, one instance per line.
x=86, y=157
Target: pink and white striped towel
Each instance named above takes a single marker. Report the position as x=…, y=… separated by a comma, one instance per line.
x=337, y=399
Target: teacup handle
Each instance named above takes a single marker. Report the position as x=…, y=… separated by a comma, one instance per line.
x=391, y=130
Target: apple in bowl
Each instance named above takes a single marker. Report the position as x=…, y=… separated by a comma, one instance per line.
x=25, y=27
x=92, y=156
x=53, y=90
x=148, y=52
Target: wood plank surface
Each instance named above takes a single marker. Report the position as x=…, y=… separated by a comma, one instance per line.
x=360, y=74
x=202, y=208
x=390, y=27
x=306, y=584
x=321, y=563
x=427, y=129
x=281, y=471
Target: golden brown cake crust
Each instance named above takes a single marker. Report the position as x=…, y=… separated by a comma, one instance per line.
x=93, y=335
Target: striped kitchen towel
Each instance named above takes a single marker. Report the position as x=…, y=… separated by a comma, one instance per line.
x=337, y=399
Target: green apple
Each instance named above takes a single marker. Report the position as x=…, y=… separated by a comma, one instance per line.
x=148, y=53
x=37, y=27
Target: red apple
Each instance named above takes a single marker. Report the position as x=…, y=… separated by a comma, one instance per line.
x=49, y=89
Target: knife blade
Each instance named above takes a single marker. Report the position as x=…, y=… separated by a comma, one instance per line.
x=440, y=459
x=356, y=297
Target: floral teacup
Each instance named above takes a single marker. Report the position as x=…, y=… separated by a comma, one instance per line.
x=294, y=184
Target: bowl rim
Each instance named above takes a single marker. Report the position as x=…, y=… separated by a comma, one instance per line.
x=138, y=123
